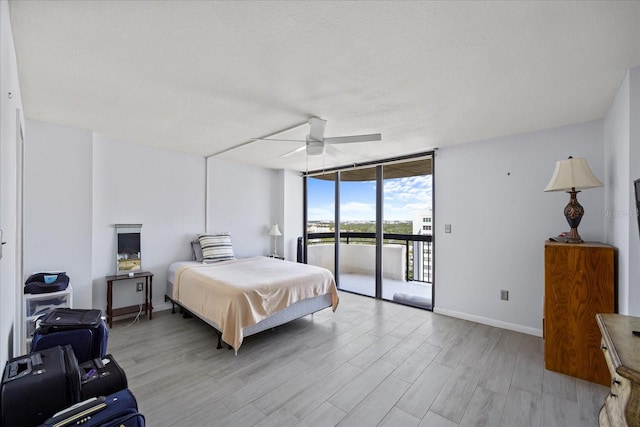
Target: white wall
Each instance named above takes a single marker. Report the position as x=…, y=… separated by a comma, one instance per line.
x=10, y=116
x=292, y=213
x=246, y=200
x=240, y=202
x=491, y=194
x=58, y=204
x=622, y=167
x=277, y=213
x=78, y=185
x=163, y=191
x=359, y=259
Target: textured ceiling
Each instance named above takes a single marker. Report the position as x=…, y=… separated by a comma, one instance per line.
x=202, y=76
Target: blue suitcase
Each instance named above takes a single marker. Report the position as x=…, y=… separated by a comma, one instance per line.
x=117, y=409
x=84, y=330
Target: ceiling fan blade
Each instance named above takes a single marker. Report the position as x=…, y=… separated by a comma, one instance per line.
x=334, y=152
x=317, y=125
x=297, y=150
x=353, y=138
x=276, y=139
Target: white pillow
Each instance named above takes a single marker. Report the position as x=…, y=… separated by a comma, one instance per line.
x=216, y=247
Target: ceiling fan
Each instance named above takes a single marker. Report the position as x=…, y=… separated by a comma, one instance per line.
x=316, y=144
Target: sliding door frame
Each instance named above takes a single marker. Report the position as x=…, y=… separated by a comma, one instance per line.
x=379, y=238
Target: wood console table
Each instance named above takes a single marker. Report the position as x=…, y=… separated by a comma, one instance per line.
x=620, y=347
x=147, y=307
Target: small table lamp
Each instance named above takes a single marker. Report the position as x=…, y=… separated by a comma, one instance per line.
x=275, y=232
x=573, y=175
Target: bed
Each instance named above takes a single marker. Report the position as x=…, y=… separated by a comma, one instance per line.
x=241, y=297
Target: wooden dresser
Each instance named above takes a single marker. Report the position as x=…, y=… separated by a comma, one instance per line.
x=622, y=352
x=578, y=284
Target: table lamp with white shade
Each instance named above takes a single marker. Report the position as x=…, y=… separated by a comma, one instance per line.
x=573, y=175
x=275, y=232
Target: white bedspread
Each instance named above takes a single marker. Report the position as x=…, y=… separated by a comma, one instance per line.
x=240, y=293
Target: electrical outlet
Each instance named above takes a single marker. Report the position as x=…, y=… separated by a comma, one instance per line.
x=504, y=295
x=139, y=286
x=447, y=228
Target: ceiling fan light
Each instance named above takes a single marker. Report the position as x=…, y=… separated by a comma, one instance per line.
x=315, y=148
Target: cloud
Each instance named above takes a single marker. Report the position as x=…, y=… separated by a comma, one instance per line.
x=321, y=213
x=402, y=196
x=357, y=211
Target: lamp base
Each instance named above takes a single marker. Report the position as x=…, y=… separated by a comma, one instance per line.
x=573, y=213
x=574, y=237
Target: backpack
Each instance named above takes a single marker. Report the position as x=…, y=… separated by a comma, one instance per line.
x=40, y=283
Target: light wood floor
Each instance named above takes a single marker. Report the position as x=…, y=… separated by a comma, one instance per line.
x=370, y=363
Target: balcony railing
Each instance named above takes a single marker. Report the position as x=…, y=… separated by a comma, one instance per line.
x=418, y=249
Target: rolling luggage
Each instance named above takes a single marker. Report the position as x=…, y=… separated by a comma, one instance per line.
x=37, y=385
x=118, y=409
x=84, y=330
x=101, y=377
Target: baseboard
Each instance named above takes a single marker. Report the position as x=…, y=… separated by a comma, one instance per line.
x=162, y=306
x=487, y=321
x=158, y=307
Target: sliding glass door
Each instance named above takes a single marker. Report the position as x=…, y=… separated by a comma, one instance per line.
x=378, y=242
x=357, y=270
x=408, y=232
x=320, y=219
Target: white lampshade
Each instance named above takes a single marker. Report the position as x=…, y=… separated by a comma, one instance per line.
x=572, y=174
x=275, y=231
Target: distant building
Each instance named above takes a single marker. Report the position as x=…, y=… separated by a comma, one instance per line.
x=422, y=225
x=422, y=222
x=312, y=228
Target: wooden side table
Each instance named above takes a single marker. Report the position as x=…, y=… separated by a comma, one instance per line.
x=148, y=296
x=579, y=283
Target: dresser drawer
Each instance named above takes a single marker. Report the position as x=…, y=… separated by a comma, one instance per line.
x=620, y=351
x=39, y=304
x=620, y=393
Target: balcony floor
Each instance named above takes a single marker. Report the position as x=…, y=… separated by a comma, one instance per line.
x=417, y=294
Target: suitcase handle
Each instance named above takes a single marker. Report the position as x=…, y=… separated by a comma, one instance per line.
x=23, y=367
x=79, y=413
x=36, y=360
x=98, y=369
x=99, y=364
x=102, y=369
x=18, y=369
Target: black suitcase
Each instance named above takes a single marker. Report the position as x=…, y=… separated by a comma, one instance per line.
x=101, y=377
x=119, y=409
x=37, y=385
x=85, y=330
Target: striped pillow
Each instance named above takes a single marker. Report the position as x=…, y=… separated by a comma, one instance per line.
x=216, y=247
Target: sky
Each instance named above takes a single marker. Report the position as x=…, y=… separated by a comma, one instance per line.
x=358, y=199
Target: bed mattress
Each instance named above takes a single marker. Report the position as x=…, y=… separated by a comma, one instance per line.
x=238, y=294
